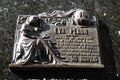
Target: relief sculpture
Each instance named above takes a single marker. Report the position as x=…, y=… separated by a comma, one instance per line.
x=56, y=38
x=31, y=48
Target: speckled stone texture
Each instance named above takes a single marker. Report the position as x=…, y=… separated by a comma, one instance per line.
x=106, y=10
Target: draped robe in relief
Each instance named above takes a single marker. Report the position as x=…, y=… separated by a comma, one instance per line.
x=30, y=47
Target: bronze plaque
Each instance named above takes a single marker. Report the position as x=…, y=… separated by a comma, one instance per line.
x=69, y=39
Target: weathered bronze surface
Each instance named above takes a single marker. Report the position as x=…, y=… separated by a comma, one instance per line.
x=69, y=38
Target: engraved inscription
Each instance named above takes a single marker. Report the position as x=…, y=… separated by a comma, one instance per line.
x=77, y=45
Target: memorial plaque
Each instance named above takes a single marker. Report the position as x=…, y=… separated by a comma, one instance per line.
x=57, y=43
x=63, y=39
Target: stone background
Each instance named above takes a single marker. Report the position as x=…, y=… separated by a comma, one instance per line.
x=106, y=10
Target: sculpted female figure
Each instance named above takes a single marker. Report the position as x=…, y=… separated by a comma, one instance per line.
x=30, y=49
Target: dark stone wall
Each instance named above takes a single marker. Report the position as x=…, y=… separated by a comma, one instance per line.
x=106, y=10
